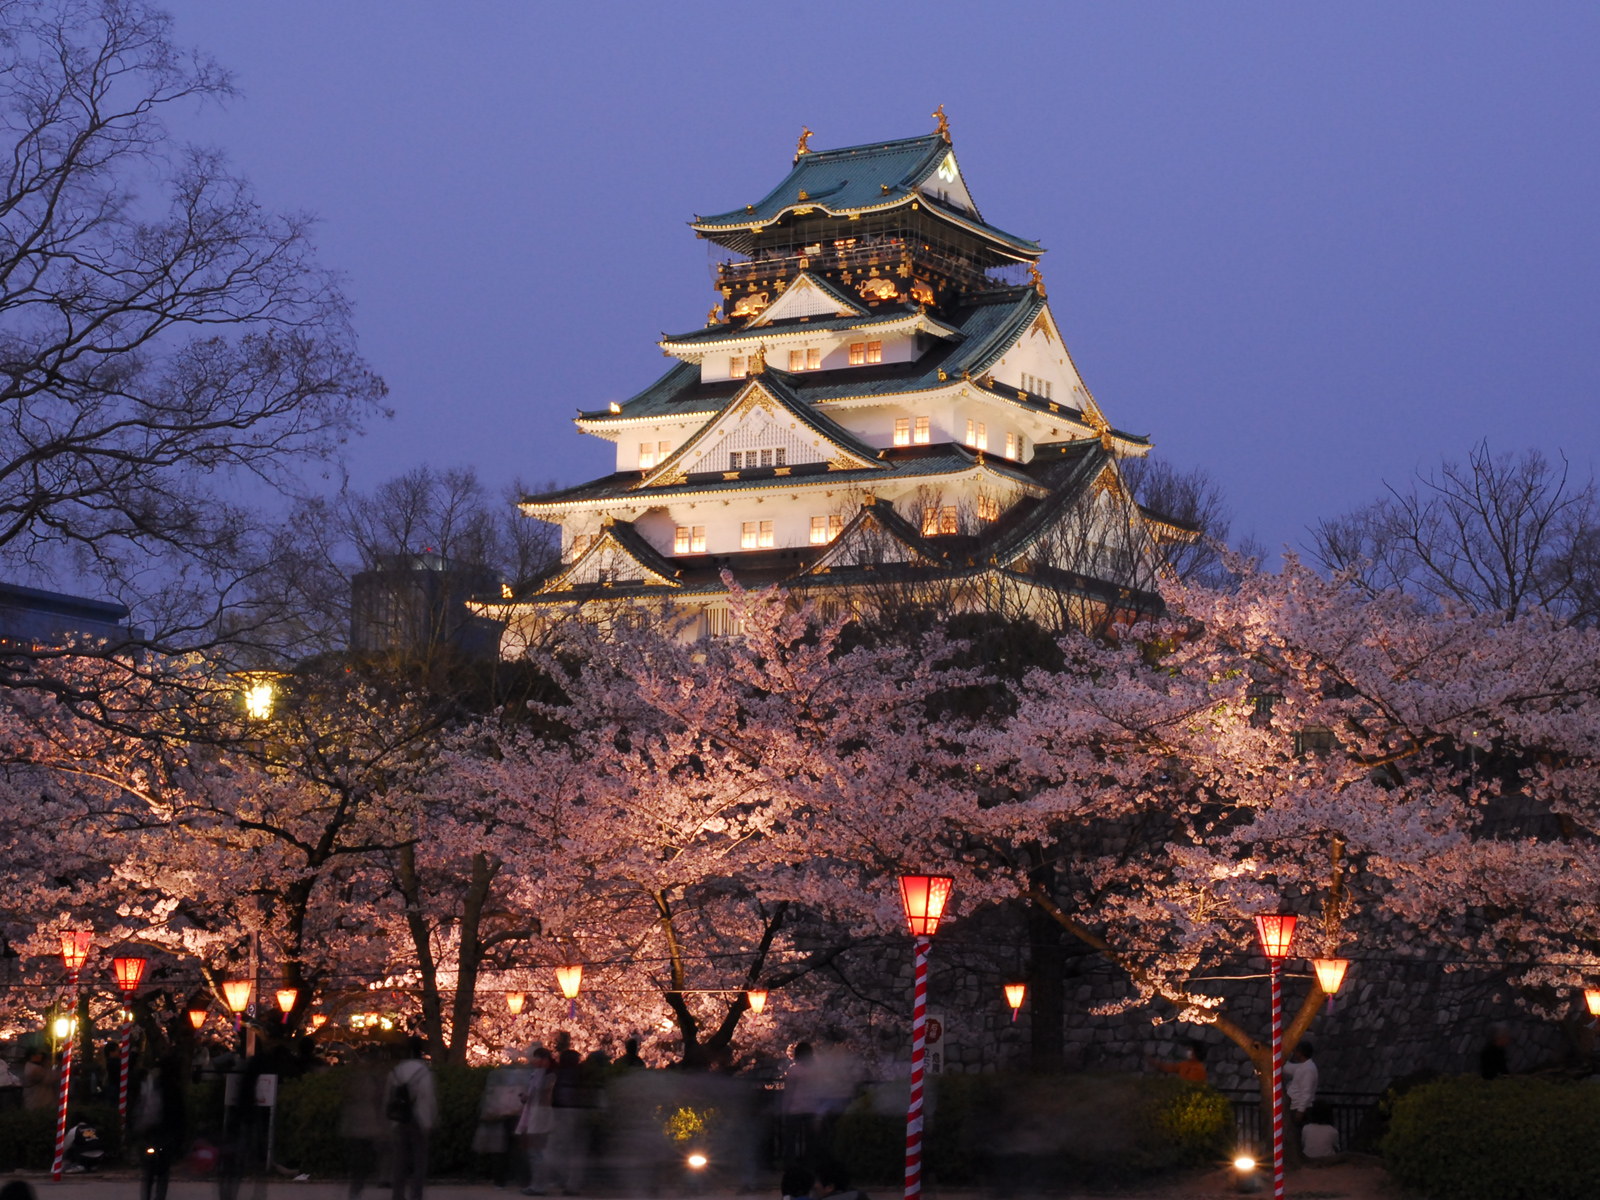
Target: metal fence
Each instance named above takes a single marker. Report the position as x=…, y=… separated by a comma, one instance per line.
x=1350, y=1109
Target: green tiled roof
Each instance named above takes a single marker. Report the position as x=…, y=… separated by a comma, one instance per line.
x=987, y=323
x=852, y=179
x=712, y=334
x=778, y=385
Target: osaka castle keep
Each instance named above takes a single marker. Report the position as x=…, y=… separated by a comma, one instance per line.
x=881, y=393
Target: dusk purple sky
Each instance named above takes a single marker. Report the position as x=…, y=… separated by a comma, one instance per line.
x=1310, y=247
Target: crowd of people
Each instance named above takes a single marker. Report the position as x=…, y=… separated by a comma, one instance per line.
x=536, y=1122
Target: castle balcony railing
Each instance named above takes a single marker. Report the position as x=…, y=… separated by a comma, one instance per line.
x=887, y=255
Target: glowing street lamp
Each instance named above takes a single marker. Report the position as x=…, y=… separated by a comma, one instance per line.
x=923, y=898
x=236, y=993
x=514, y=1002
x=128, y=969
x=74, y=953
x=75, y=950
x=1016, y=993
x=757, y=999
x=1330, y=974
x=197, y=1017
x=318, y=1020
x=1276, y=934
x=1591, y=997
x=259, y=694
x=570, y=979
x=286, y=998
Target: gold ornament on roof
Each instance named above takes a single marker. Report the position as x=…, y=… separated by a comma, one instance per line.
x=758, y=360
x=1036, y=278
x=804, y=144
x=879, y=289
x=714, y=317
x=944, y=122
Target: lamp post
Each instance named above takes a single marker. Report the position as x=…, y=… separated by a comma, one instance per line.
x=514, y=1002
x=129, y=969
x=757, y=999
x=74, y=953
x=1591, y=998
x=923, y=897
x=1276, y=934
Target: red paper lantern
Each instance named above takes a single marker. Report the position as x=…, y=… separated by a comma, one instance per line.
x=128, y=971
x=75, y=948
x=923, y=897
x=1276, y=931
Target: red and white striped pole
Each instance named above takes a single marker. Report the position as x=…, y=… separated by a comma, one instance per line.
x=122, y=1086
x=61, y=1110
x=919, y=1030
x=1277, y=1083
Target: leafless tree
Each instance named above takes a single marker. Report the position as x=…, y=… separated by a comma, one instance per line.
x=448, y=515
x=167, y=343
x=1192, y=501
x=1496, y=533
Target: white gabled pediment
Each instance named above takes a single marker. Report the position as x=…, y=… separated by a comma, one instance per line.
x=805, y=297
x=756, y=421
x=607, y=560
x=871, y=539
x=946, y=185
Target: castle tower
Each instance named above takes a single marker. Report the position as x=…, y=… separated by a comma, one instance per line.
x=882, y=387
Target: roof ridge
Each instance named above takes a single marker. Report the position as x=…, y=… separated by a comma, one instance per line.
x=878, y=147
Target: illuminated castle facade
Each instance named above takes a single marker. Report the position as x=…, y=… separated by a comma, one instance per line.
x=882, y=388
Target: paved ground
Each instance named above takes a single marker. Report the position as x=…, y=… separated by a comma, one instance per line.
x=1364, y=1180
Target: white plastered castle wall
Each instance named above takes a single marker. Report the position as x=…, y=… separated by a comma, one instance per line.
x=790, y=506
x=833, y=347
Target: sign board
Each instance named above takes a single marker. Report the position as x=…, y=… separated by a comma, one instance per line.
x=935, y=1040
x=266, y=1090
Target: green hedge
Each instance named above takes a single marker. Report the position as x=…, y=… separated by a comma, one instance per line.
x=1510, y=1139
x=1017, y=1130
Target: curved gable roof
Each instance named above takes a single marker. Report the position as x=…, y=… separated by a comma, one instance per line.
x=856, y=179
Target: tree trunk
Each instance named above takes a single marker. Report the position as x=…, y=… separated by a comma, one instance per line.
x=471, y=954
x=422, y=941
x=83, y=1051
x=1260, y=1052
x=1047, y=969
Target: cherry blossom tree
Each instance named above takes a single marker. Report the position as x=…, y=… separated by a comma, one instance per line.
x=1294, y=740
